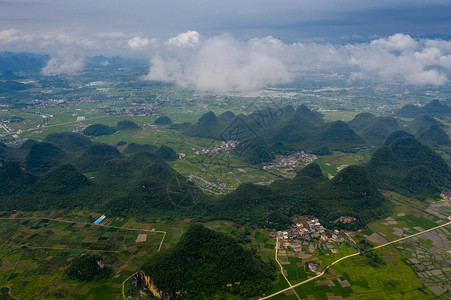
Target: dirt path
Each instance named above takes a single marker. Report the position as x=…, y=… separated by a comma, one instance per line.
x=281, y=269
x=348, y=256
x=86, y=223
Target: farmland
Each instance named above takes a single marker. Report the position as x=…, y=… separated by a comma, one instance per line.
x=35, y=251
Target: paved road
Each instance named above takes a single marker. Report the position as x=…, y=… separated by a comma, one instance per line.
x=411, y=236
x=66, y=123
x=352, y=255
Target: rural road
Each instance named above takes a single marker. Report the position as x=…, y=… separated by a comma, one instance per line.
x=348, y=256
x=281, y=268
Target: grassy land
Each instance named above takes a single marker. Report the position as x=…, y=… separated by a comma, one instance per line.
x=407, y=213
x=395, y=280
x=35, y=252
x=330, y=164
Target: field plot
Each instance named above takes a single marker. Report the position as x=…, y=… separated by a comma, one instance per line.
x=427, y=255
x=332, y=164
x=409, y=216
x=393, y=280
x=35, y=252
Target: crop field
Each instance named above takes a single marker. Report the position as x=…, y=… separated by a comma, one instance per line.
x=34, y=253
x=355, y=278
x=331, y=164
x=395, y=280
x=342, y=115
x=408, y=217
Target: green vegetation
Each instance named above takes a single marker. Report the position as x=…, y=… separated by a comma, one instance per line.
x=133, y=184
x=434, y=136
x=206, y=263
x=264, y=133
x=138, y=183
x=35, y=252
x=434, y=108
x=350, y=193
x=89, y=267
x=43, y=156
x=164, y=120
x=127, y=125
x=167, y=153
x=98, y=129
x=374, y=130
x=397, y=167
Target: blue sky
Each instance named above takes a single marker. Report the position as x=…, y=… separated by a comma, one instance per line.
x=288, y=20
x=239, y=45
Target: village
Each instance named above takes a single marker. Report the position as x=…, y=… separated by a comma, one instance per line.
x=290, y=161
x=305, y=229
x=445, y=194
x=226, y=147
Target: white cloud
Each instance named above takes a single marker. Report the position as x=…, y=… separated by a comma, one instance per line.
x=224, y=63
x=64, y=63
x=399, y=57
x=138, y=43
x=220, y=64
x=396, y=42
x=189, y=39
x=13, y=35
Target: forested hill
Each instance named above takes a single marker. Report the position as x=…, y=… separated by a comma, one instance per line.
x=435, y=109
x=276, y=131
x=375, y=130
x=351, y=193
x=205, y=264
x=269, y=132
x=407, y=166
x=54, y=174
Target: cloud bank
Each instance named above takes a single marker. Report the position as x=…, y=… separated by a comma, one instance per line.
x=64, y=63
x=223, y=63
x=219, y=64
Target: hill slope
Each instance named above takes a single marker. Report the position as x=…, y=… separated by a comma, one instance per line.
x=435, y=109
x=203, y=263
x=276, y=131
x=390, y=165
x=352, y=193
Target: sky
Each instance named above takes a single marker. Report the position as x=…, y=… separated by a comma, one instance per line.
x=238, y=45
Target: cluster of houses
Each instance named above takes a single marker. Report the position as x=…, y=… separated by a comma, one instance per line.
x=140, y=110
x=5, y=126
x=445, y=194
x=224, y=146
x=49, y=103
x=291, y=161
x=305, y=228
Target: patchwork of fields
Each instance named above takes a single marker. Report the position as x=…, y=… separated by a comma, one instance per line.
x=35, y=252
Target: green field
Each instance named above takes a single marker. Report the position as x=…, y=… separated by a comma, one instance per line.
x=407, y=213
x=34, y=253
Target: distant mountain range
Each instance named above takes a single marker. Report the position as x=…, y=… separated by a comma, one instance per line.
x=23, y=61
x=375, y=130
x=433, y=109
x=265, y=133
x=69, y=170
